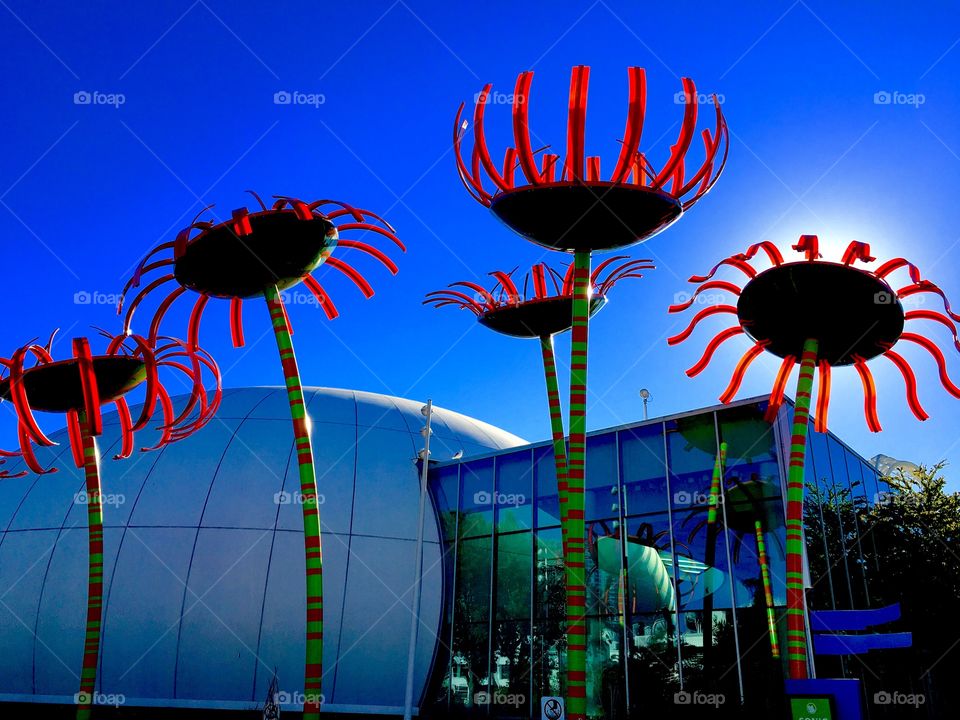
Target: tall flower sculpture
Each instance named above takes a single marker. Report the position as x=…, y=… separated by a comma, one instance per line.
x=540, y=315
x=565, y=205
x=257, y=255
x=32, y=381
x=823, y=315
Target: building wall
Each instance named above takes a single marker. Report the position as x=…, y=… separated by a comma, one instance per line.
x=654, y=568
x=204, y=562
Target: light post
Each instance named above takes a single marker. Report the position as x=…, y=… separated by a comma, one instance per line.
x=424, y=455
x=645, y=396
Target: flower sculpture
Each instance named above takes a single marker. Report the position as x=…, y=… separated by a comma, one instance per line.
x=507, y=310
x=257, y=255
x=565, y=205
x=823, y=315
x=32, y=381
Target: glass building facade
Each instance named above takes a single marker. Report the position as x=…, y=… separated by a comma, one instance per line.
x=677, y=605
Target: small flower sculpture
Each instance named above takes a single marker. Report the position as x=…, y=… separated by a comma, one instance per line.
x=31, y=380
x=565, y=205
x=823, y=315
x=507, y=310
x=259, y=254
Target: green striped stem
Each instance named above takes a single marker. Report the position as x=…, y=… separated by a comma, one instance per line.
x=767, y=589
x=796, y=606
x=313, y=666
x=710, y=553
x=91, y=642
x=573, y=553
x=556, y=426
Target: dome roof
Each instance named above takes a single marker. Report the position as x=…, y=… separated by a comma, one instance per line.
x=204, y=563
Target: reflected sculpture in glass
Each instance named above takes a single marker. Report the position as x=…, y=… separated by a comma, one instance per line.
x=260, y=254
x=31, y=380
x=822, y=314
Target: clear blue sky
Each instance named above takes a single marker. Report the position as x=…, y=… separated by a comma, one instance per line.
x=87, y=189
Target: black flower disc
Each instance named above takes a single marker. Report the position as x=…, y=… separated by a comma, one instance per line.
x=536, y=318
x=281, y=250
x=848, y=311
x=56, y=387
x=598, y=216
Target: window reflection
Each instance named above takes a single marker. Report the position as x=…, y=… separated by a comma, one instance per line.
x=674, y=566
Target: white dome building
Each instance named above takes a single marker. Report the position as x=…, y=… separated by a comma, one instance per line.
x=204, y=563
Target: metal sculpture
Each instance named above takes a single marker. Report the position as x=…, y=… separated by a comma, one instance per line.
x=507, y=310
x=32, y=381
x=824, y=315
x=565, y=205
x=257, y=255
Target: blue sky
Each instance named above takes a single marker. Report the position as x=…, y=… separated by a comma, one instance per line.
x=86, y=189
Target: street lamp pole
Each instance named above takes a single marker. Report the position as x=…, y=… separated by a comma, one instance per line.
x=645, y=396
x=427, y=412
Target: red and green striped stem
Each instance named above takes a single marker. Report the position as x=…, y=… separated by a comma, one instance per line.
x=91, y=642
x=573, y=552
x=556, y=426
x=796, y=606
x=710, y=552
x=767, y=589
x=313, y=667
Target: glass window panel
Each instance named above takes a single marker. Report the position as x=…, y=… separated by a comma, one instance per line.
x=549, y=659
x=470, y=667
x=476, y=498
x=545, y=477
x=443, y=487
x=644, y=470
x=508, y=688
x=602, y=499
x=603, y=568
x=767, y=520
x=606, y=686
x=752, y=467
x=709, y=653
x=513, y=581
x=762, y=675
x=692, y=453
x=844, y=505
x=549, y=580
x=472, y=598
x=514, y=496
